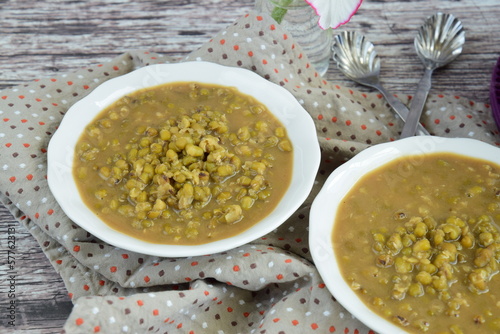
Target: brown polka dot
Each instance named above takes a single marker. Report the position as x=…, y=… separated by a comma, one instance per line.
x=161, y=273
x=253, y=266
x=127, y=311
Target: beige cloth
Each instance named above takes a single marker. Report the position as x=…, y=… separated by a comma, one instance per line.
x=267, y=286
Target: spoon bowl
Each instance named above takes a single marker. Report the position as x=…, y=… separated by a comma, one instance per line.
x=439, y=41
x=357, y=59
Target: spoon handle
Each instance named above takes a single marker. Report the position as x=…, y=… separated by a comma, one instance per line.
x=417, y=105
x=400, y=108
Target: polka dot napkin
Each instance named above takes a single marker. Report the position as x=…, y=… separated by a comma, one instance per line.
x=267, y=286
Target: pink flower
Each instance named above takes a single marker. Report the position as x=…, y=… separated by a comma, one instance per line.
x=334, y=13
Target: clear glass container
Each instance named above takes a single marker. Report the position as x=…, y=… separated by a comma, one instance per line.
x=301, y=21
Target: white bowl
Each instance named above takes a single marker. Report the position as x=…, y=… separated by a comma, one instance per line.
x=340, y=182
x=281, y=103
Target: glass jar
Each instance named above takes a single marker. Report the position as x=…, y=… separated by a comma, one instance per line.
x=301, y=21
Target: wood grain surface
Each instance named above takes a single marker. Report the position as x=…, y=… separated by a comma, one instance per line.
x=40, y=38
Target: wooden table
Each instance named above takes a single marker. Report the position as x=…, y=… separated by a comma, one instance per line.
x=41, y=38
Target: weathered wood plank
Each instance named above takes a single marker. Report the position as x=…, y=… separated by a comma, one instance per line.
x=40, y=38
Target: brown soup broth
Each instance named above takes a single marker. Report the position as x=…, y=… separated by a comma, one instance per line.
x=183, y=163
x=418, y=240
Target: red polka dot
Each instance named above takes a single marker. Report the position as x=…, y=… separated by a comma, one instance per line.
x=222, y=41
x=236, y=268
x=295, y=322
x=334, y=119
x=147, y=279
x=288, y=261
x=6, y=119
x=320, y=117
x=58, y=261
x=236, y=47
x=363, y=127
x=113, y=269
x=26, y=145
x=276, y=319
x=246, y=314
x=140, y=302
x=125, y=256
x=76, y=248
x=194, y=263
x=24, y=120
x=12, y=179
x=101, y=282
x=53, y=80
x=116, y=68
x=86, y=287
x=332, y=329
x=50, y=212
x=264, y=61
x=156, y=312
x=70, y=83
x=97, y=329
x=279, y=276
x=206, y=293
x=348, y=122
x=321, y=285
x=437, y=121
x=79, y=321
x=86, y=87
x=230, y=309
x=314, y=326
x=8, y=144
x=250, y=53
x=179, y=326
x=21, y=97
x=4, y=97
x=285, y=36
x=378, y=132
x=272, y=27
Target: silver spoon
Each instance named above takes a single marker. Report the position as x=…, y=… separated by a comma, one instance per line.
x=439, y=41
x=357, y=59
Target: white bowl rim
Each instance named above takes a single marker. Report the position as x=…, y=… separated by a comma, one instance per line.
x=339, y=183
x=281, y=102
